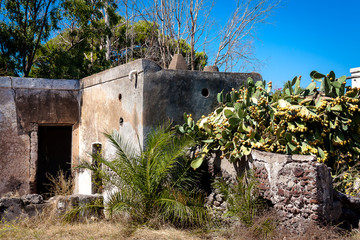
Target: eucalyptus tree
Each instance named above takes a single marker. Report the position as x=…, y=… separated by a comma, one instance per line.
x=24, y=25
x=81, y=47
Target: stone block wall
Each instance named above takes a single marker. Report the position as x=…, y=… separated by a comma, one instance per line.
x=299, y=188
x=14, y=208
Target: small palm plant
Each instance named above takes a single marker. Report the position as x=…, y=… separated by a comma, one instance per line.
x=154, y=182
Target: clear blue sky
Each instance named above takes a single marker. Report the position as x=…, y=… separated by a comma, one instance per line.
x=305, y=35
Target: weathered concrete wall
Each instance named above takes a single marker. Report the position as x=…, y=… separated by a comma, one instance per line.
x=132, y=99
x=355, y=74
x=26, y=103
x=46, y=101
x=298, y=186
x=110, y=101
x=170, y=93
x=15, y=145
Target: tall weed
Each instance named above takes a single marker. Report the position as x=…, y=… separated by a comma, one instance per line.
x=241, y=196
x=60, y=184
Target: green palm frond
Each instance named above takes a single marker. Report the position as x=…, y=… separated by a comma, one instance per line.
x=183, y=207
x=184, y=176
x=125, y=201
x=143, y=178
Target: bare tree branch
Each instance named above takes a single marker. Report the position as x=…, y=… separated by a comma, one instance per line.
x=235, y=41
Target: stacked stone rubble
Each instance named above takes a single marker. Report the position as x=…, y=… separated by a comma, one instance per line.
x=216, y=204
x=12, y=208
x=299, y=188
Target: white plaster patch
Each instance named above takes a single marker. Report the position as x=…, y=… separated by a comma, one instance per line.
x=84, y=182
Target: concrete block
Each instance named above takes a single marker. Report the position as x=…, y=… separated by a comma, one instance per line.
x=43, y=83
x=178, y=63
x=5, y=82
x=303, y=158
x=90, y=205
x=354, y=70
x=211, y=69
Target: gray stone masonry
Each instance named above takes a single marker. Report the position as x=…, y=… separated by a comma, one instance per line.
x=89, y=206
x=14, y=208
x=299, y=187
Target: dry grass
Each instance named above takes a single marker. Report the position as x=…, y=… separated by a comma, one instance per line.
x=97, y=230
x=60, y=184
x=47, y=226
x=111, y=230
x=66, y=231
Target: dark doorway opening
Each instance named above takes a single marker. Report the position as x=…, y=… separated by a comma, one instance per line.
x=54, y=154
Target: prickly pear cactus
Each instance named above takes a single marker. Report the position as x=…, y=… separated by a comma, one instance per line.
x=324, y=121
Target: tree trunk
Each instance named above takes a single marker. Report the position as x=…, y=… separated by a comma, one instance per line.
x=108, y=43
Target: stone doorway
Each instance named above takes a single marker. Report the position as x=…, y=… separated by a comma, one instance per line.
x=54, y=154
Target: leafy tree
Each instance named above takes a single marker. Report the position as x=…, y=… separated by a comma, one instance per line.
x=154, y=182
x=94, y=39
x=24, y=25
x=7, y=65
x=59, y=59
x=80, y=49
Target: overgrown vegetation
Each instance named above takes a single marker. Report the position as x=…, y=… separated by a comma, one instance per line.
x=242, y=197
x=155, y=182
x=323, y=122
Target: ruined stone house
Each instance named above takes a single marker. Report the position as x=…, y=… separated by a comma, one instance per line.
x=52, y=124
